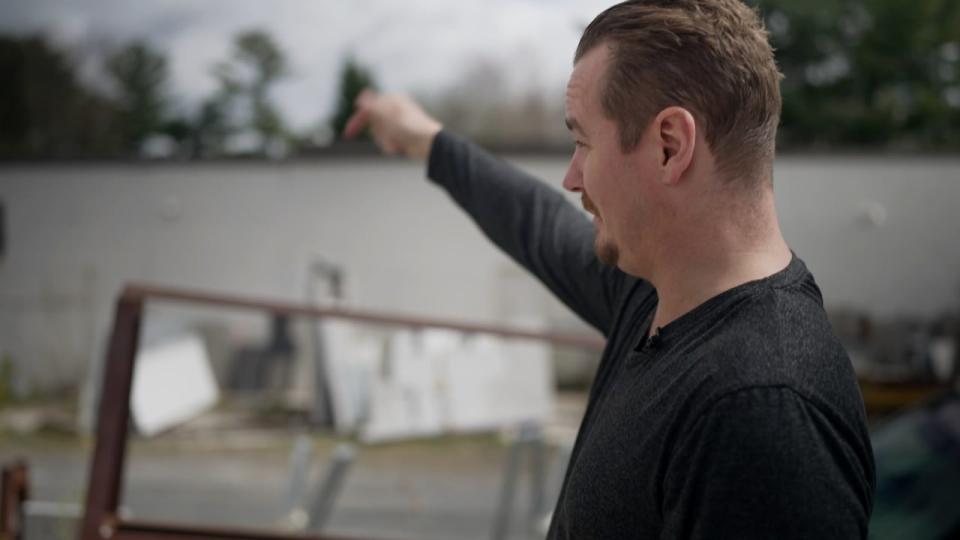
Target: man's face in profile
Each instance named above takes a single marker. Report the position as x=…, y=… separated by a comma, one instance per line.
x=603, y=175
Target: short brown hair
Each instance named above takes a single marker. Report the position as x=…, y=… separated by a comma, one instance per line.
x=711, y=57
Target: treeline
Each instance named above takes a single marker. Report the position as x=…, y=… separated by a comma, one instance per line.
x=859, y=74
x=868, y=73
x=47, y=111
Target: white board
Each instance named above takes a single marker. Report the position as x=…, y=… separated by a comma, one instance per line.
x=493, y=383
x=420, y=384
x=172, y=383
x=406, y=400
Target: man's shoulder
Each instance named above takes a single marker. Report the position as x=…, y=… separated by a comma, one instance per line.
x=783, y=319
x=779, y=337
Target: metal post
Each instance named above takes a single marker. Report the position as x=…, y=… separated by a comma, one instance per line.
x=511, y=472
x=321, y=412
x=538, y=479
x=106, y=470
x=329, y=488
x=298, y=474
x=14, y=480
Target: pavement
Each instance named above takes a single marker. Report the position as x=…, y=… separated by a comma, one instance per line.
x=443, y=488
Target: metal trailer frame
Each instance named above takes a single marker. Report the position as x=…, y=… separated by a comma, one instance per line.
x=14, y=492
x=101, y=518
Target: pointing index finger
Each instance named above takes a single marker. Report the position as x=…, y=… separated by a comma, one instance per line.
x=356, y=123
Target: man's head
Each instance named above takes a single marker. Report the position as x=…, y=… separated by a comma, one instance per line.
x=663, y=90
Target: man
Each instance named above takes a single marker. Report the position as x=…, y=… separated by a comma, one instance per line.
x=723, y=407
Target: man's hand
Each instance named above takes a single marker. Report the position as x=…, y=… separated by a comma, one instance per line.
x=398, y=124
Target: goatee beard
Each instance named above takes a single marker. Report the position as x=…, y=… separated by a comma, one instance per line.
x=607, y=252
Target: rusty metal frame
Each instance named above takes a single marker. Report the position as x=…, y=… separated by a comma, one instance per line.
x=101, y=520
x=14, y=491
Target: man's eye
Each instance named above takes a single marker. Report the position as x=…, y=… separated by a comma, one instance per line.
x=580, y=144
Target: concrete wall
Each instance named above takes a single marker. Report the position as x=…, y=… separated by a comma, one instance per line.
x=880, y=234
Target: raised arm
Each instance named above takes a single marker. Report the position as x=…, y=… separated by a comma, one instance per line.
x=530, y=221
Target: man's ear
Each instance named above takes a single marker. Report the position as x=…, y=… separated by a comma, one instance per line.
x=675, y=133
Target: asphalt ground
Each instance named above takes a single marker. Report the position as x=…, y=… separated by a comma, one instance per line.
x=441, y=488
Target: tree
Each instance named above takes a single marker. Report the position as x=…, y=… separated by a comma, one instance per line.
x=868, y=72
x=245, y=83
x=140, y=77
x=213, y=124
x=353, y=79
x=44, y=110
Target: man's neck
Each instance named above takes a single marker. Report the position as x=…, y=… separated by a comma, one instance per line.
x=720, y=259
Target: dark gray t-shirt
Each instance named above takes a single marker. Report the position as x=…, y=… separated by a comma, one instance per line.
x=743, y=420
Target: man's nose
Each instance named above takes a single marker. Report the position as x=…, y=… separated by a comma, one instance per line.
x=573, y=181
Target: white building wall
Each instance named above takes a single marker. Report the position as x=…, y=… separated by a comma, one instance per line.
x=76, y=233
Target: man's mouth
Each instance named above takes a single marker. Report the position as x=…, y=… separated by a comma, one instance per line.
x=588, y=205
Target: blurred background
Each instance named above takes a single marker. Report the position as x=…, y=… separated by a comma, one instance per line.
x=196, y=145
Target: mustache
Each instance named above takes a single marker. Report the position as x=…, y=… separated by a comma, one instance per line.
x=588, y=204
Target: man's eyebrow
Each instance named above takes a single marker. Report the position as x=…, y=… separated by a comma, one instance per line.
x=572, y=124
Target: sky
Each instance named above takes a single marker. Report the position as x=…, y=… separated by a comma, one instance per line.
x=418, y=46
